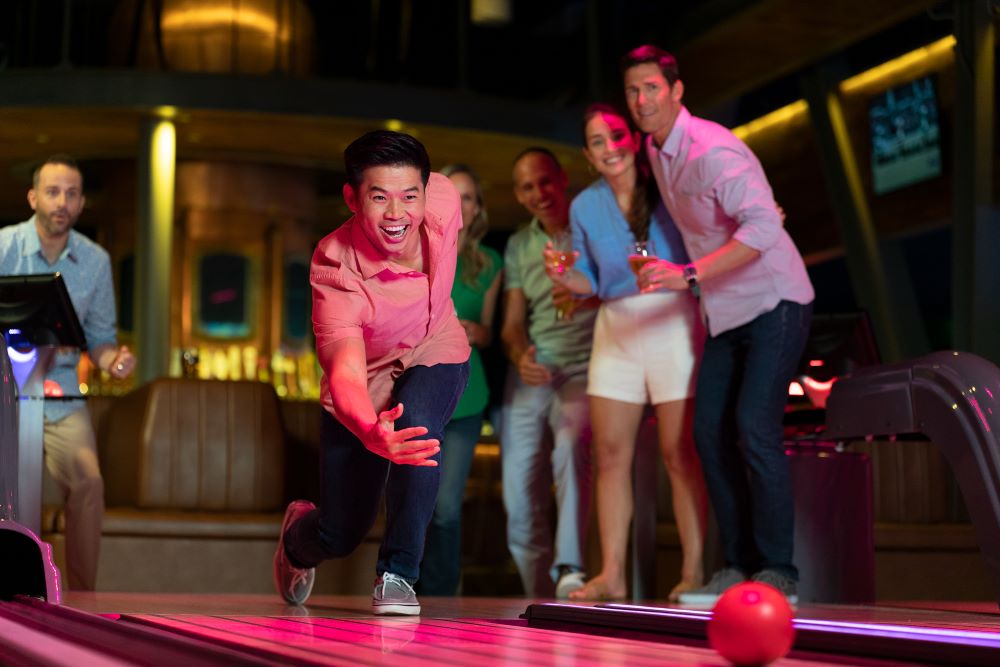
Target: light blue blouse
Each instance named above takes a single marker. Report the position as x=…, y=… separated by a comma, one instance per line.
x=602, y=236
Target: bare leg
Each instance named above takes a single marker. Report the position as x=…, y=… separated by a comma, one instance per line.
x=674, y=422
x=615, y=424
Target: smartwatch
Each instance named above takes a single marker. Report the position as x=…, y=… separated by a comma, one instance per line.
x=691, y=275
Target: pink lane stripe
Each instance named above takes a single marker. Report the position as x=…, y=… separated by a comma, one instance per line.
x=290, y=644
x=488, y=639
x=404, y=641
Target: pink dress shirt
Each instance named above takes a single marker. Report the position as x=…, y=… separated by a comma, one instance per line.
x=405, y=317
x=715, y=190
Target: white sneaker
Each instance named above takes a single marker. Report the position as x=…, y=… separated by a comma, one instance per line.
x=394, y=595
x=570, y=581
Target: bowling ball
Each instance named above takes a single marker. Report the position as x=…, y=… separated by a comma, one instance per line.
x=751, y=624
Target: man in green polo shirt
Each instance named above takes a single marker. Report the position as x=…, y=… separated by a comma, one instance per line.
x=545, y=431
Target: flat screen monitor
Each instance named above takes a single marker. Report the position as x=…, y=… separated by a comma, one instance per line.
x=906, y=135
x=39, y=308
x=223, y=295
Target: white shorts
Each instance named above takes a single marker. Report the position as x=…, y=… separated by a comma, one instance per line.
x=646, y=348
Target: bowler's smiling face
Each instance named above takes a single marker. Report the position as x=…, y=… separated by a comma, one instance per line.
x=389, y=204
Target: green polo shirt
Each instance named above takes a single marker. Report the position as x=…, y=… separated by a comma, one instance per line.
x=560, y=343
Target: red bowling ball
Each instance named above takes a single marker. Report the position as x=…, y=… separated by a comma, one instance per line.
x=751, y=624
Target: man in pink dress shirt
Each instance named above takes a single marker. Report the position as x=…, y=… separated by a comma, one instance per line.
x=757, y=301
x=395, y=362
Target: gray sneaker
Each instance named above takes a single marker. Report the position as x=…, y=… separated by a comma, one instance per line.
x=394, y=595
x=717, y=585
x=785, y=585
x=294, y=584
x=569, y=580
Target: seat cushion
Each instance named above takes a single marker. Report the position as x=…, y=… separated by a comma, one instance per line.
x=185, y=444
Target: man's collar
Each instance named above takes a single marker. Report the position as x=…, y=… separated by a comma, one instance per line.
x=537, y=226
x=371, y=262
x=672, y=145
x=31, y=243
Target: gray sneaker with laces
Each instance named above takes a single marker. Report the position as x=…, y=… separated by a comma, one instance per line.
x=716, y=586
x=394, y=595
x=294, y=584
x=785, y=584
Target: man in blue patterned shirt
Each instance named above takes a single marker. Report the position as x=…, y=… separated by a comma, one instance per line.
x=47, y=243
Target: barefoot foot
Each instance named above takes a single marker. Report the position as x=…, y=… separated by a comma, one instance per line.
x=600, y=588
x=683, y=586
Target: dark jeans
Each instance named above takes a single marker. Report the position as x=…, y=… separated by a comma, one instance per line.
x=354, y=479
x=441, y=568
x=740, y=401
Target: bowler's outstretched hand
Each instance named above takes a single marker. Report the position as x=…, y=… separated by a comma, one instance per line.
x=399, y=446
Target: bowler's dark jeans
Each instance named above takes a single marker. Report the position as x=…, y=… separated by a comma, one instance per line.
x=354, y=479
x=441, y=570
x=740, y=401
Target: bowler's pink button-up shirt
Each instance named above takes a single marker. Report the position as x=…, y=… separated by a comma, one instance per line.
x=405, y=317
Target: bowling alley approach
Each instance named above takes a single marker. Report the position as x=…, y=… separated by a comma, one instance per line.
x=499, y=332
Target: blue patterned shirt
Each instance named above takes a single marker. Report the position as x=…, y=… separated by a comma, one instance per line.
x=86, y=270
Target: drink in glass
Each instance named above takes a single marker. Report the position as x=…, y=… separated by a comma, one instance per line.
x=561, y=259
x=640, y=253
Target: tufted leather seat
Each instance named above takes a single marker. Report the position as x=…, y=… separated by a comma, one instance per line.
x=197, y=445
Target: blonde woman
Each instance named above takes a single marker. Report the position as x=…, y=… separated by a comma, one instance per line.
x=477, y=284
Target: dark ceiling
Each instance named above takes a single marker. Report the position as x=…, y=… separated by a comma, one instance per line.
x=562, y=53
x=479, y=91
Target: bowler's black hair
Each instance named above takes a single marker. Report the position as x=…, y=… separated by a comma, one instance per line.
x=384, y=148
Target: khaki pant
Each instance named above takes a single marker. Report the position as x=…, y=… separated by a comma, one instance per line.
x=71, y=459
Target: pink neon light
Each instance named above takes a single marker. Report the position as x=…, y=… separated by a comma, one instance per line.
x=979, y=412
x=222, y=296
x=815, y=363
x=795, y=389
x=818, y=385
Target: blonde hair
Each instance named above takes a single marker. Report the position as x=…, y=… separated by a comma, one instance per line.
x=473, y=258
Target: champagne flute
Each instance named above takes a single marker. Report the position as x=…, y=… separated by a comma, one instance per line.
x=561, y=260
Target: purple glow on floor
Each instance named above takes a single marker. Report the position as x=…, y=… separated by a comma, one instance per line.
x=972, y=637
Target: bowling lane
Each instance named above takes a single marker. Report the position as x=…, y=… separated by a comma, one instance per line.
x=442, y=642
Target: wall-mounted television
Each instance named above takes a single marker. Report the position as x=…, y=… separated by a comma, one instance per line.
x=906, y=135
x=222, y=293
